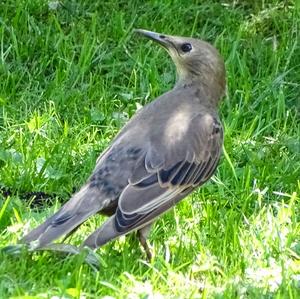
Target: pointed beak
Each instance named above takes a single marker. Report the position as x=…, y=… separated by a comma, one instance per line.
x=157, y=37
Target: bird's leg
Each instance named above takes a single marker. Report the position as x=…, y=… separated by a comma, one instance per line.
x=142, y=235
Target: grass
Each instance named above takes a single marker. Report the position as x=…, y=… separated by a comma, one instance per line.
x=71, y=74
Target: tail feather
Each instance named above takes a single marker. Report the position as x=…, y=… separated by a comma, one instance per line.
x=102, y=235
x=81, y=206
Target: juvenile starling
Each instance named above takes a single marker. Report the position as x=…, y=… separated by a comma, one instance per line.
x=168, y=148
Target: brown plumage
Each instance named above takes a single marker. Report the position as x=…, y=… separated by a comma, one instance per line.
x=169, y=148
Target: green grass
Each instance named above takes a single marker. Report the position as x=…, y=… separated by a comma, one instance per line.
x=69, y=79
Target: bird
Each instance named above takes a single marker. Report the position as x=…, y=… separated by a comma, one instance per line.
x=169, y=148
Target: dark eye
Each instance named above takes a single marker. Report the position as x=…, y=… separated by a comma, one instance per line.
x=186, y=47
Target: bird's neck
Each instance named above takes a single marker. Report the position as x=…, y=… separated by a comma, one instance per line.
x=208, y=88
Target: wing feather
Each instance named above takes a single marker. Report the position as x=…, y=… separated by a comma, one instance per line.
x=161, y=178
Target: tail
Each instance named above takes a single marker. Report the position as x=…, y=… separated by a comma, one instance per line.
x=87, y=202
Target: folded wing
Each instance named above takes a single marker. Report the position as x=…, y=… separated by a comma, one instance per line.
x=160, y=179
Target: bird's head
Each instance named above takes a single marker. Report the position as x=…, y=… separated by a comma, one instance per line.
x=197, y=62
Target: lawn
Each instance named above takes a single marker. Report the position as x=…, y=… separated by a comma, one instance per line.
x=72, y=73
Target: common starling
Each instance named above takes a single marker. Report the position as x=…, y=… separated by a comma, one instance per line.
x=168, y=148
